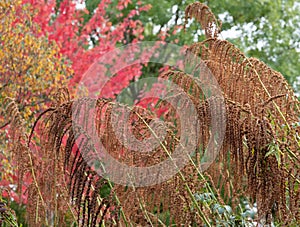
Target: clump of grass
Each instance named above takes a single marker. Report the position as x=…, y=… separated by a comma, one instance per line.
x=7, y=215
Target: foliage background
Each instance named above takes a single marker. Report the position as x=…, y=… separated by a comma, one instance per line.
x=46, y=45
x=268, y=30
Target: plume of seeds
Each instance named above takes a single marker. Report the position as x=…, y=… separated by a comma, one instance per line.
x=259, y=157
x=205, y=17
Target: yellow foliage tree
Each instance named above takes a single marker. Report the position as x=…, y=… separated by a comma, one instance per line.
x=31, y=68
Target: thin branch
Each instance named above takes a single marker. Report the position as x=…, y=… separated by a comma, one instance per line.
x=5, y=124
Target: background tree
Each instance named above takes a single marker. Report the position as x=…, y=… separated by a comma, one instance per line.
x=84, y=35
x=266, y=30
x=31, y=68
x=262, y=29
